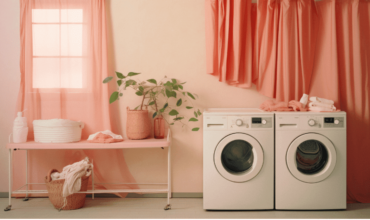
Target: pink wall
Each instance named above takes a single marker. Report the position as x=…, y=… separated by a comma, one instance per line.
x=156, y=38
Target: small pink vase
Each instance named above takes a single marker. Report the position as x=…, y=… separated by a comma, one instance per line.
x=159, y=127
x=138, y=124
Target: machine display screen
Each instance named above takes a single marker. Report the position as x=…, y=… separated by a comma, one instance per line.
x=256, y=120
x=329, y=120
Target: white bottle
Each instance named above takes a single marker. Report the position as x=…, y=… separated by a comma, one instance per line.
x=20, y=129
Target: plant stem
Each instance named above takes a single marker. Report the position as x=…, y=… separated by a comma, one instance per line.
x=142, y=102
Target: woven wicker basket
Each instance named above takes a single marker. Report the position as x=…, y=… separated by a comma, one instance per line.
x=138, y=124
x=55, y=189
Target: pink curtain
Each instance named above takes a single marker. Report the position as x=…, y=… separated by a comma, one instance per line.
x=229, y=41
x=342, y=73
x=63, y=62
x=320, y=48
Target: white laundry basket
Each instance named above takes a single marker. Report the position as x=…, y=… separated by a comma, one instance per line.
x=57, y=130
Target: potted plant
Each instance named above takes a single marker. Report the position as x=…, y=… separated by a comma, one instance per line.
x=164, y=97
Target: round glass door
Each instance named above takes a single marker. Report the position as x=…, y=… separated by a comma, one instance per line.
x=238, y=157
x=311, y=158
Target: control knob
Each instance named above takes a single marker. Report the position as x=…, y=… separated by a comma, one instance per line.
x=264, y=122
x=311, y=122
x=336, y=121
x=239, y=122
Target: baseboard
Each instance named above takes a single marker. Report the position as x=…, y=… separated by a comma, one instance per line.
x=134, y=195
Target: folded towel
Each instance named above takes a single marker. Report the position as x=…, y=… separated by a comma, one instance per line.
x=317, y=99
x=321, y=109
x=320, y=104
x=104, y=137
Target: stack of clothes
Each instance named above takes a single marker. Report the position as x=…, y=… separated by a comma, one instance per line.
x=321, y=105
x=316, y=104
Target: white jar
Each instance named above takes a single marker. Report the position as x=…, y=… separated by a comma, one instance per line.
x=20, y=129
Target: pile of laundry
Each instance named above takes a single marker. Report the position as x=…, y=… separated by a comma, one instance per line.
x=316, y=104
x=72, y=177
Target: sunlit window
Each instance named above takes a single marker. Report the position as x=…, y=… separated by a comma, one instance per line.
x=57, y=48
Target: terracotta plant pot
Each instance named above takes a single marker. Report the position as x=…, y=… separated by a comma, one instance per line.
x=138, y=124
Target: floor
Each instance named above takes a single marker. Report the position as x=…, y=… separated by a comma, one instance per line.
x=153, y=208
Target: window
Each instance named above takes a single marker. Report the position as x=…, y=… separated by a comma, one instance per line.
x=57, y=39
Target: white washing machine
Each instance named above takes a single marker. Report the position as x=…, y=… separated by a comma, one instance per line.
x=310, y=161
x=238, y=159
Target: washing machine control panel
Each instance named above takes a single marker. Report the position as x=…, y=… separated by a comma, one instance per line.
x=333, y=122
x=313, y=122
x=240, y=122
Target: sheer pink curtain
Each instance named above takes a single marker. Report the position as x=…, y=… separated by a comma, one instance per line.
x=321, y=48
x=63, y=62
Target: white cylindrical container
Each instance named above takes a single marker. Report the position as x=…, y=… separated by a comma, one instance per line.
x=20, y=129
x=304, y=100
x=57, y=130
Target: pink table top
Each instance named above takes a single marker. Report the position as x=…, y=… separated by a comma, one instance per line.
x=145, y=143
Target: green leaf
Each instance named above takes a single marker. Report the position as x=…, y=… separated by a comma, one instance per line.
x=180, y=86
x=195, y=129
x=152, y=81
x=161, y=110
x=141, y=89
x=193, y=119
x=119, y=82
x=172, y=123
x=191, y=95
x=151, y=103
x=120, y=75
x=173, y=112
x=132, y=74
x=165, y=106
x=121, y=94
x=179, y=102
x=178, y=118
x=137, y=107
x=189, y=107
x=168, y=83
x=109, y=78
x=174, y=81
x=175, y=87
x=170, y=94
x=195, y=113
x=183, y=83
x=199, y=113
x=139, y=93
x=155, y=114
x=130, y=82
x=113, y=97
x=183, y=93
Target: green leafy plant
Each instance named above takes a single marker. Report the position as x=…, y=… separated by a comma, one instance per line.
x=168, y=93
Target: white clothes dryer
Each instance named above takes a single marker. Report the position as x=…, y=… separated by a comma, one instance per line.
x=238, y=159
x=310, y=161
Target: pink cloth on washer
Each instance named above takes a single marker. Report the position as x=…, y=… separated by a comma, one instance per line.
x=273, y=105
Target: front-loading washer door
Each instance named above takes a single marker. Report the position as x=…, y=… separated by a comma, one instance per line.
x=311, y=158
x=238, y=157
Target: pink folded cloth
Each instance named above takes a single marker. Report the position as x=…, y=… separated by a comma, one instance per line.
x=104, y=138
x=273, y=105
